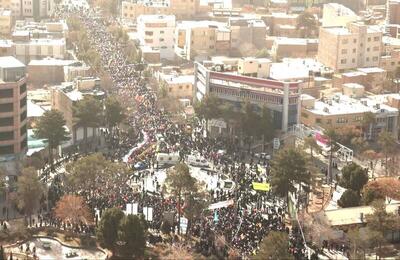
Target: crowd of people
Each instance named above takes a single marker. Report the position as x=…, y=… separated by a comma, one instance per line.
x=244, y=224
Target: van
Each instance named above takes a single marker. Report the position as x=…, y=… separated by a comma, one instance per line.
x=167, y=158
x=197, y=161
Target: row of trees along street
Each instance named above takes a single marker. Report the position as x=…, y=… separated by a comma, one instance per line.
x=245, y=122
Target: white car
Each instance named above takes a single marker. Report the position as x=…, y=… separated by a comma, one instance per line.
x=197, y=161
x=263, y=156
x=227, y=185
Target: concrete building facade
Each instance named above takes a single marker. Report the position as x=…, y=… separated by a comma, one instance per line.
x=354, y=46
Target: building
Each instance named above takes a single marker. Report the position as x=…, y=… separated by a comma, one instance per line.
x=64, y=97
x=247, y=34
x=354, y=46
x=253, y=67
x=182, y=9
x=157, y=32
x=393, y=12
x=5, y=21
x=36, y=30
x=36, y=9
x=371, y=78
x=13, y=112
x=342, y=110
x=6, y=48
x=334, y=14
x=36, y=49
x=47, y=71
x=282, y=98
x=282, y=24
x=284, y=47
x=201, y=39
x=178, y=86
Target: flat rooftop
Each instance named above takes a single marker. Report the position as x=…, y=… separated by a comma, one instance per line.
x=179, y=79
x=10, y=62
x=290, y=69
x=341, y=104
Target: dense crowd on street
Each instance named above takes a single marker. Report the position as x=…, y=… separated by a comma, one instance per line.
x=244, y=224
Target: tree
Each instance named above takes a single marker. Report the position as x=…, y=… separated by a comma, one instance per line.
x=367, y=123
x=85, y=173
x=266, y=126
x=381, y=188
x=332, y=137
x=353, y=177
x=381, y=221
x=51, y=128
x=114, y=113
x=362, y=239
x=274, y=246
x=110, y=7
x=372, y=157
x=307, y=23
x=389, y=147
x=29, y=191
x=249, y=123
x=132, y=234
x=195, y=203
x=263, y=53
x=288, y=168
x=73, y=209
x=87, y=113
x=208, y=108
x=349, y=198
x=179, y=182
x=311, y=144
x=107, y=230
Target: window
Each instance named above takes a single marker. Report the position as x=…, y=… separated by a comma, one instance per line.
x=22, y=102
x=341, y=120
x=161, y=39
x=161, y=32
x=24, y=144
x=353, y=60
x=180, y=87
x=345, y=41
x=344, y=51
x=354, y=50
x=354, y=40
x=376, y=38
x=23, y=130
x=23, y=116
x=376, y=48
x=343, y=61
x=259, y=65
x=367, y=58
x=6, y=121
x=7, y=149
x=22, y=88
x=8, y=107
x=369, y=39
x=6, y=93
x=148, y=33
x=211, y=46
x=318, y=120
x=368, y=49
x=6, y=136
x=375, y=58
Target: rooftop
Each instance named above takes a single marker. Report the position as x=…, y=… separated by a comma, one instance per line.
x=178, y=79
x=290, y=69
x=341, y=104
x=51, y=62
x=155, y=18
x=203, y=24
x=294, y=41
x=340, y=9
x=10, y=62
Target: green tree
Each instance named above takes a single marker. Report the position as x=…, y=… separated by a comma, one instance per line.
x=353, y=177
x=195, y=203
x=133, y=235
x=311, y=144
x=367, y=124
x=208, y=108
x=263, y=53
x=180, y=182
x=249, y=123
x=114, y=113
x=349, y=198
x=266, y=126
x=51, y=127
x=307, y=23
x=110, y=7
x=288, y=168
x=274, y=246
x=107, y=230
x=29, y=191
x=382, y=222
x=332, y=137
x=87, y=113
x=389, y=147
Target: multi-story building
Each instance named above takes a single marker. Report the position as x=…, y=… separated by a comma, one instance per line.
x=354, y=46
x=337, y=15
x=5, y=21
x=178, y=86
x=282, y=24
x=201, y=39
x=13, y=112
x=247, y=34
x=393, y=12
x=36, y=49
x=47, y=71
x=36, y=9
x=342, y=110
x=182, y=9
x=157, y=32
x=284, y=47
x=281, y=97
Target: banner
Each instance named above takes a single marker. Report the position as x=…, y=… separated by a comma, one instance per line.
x=183, y=225
x=221, y=204
x=148, y=213
x=261, y=186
